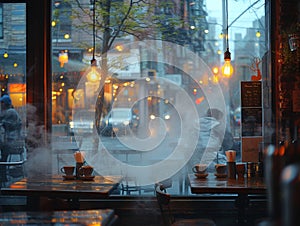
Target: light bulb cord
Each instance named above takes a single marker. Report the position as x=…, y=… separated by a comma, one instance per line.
x=94, y=29
x=227, y=35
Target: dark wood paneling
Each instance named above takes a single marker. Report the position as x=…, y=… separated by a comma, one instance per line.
x=38, y=59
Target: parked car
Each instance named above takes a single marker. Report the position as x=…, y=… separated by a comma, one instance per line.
x=83, y=122
x=118, y=120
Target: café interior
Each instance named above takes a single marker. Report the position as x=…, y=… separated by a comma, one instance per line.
x=149, y=173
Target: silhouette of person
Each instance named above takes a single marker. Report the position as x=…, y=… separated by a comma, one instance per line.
x=11, y=124
x=214, y=139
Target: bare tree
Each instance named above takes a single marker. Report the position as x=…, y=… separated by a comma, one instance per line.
x=143, y=19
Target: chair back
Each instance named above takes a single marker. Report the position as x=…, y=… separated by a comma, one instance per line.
x=18, y=147
x=13, y=166
x=163, y=200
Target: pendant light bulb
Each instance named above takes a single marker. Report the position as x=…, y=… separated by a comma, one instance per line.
x=227, y=68
x=94, y=75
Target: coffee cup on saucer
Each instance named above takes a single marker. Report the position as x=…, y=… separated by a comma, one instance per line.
x=221, y=169
x=86, y=171
x=67, y=170
x=200, y=168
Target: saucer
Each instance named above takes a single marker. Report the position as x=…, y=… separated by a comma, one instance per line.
x=69, y=177
x=201, y=175
x=218, y=175
x=89, y=178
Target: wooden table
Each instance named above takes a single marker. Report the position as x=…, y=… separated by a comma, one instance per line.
x=55, y=186
x=242, y=187
x=104, y=217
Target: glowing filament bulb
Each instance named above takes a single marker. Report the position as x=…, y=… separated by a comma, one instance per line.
x=227, y=69
x=93, y=75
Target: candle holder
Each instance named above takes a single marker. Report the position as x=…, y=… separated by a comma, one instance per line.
x=78, y=166
x=231, y=170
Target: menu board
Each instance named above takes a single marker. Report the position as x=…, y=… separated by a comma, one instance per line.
x=251, y=115
x=251, y=122
x=251, y=94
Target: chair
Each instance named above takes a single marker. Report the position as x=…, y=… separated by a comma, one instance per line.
x=130, y=184
x=17, y=157
x=163, y=199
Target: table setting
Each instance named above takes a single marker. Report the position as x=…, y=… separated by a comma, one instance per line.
x=234, y=178
x=230, y=170
x=80, y=171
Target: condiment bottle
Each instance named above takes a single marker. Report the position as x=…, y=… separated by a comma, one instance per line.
x=290, y=187
x=274, y=164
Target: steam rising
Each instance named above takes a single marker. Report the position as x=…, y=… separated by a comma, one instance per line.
x=166, y=146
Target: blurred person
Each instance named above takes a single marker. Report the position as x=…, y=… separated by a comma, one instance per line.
x=214, y=139
x=11, y=124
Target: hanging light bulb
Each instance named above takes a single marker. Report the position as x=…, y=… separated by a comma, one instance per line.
x=94, y=73
x=227, y=68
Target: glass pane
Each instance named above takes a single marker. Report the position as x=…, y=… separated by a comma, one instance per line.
x=13, y=56
x=158, y=73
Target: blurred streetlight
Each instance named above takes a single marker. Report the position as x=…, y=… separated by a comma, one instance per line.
x=215, y=78
x=258, y=34
x=215, y=70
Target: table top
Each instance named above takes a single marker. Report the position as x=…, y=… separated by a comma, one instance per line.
x=212, y=184
x=57, y=186
x=102, y=217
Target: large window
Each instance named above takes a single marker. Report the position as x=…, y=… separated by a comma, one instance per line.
x=13, y=55
x=164, y=62
x=1, y=20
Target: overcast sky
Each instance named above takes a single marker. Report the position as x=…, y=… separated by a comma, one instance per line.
x=241, y=21
x=235, y=9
